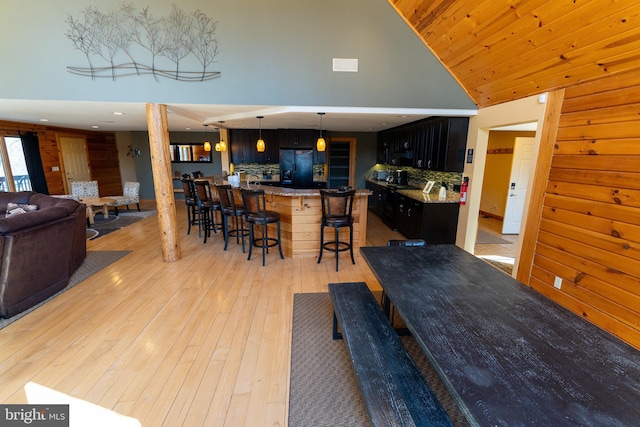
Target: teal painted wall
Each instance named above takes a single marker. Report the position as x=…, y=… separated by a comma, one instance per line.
x=276, y=52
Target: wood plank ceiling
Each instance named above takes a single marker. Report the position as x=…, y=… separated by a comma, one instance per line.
x=501, y=50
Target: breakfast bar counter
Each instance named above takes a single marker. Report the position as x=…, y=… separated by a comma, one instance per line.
x=300, y=213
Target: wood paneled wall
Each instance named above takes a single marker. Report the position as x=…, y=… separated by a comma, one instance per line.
x=505, y=50
x=102, y=155
x=589, y=232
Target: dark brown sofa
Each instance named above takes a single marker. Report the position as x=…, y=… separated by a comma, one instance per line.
x=38, y=250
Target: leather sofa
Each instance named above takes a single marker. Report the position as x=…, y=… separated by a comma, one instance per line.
x=39, y=250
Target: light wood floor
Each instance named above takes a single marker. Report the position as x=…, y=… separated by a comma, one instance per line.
x=204, y=341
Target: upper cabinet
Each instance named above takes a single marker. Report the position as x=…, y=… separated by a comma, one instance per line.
x=436, y=143
x=243, y=144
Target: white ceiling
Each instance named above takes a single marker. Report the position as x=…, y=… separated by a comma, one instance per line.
x=192, y=117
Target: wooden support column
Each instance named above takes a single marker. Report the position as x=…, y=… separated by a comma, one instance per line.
x=163, y=181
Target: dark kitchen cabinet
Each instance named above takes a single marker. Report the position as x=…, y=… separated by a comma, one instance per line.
x=435, y=223
x=302, y=138
x=409, y=220
x=243, y=146
x=456, y=137
x=436, y=143
x=376, y=198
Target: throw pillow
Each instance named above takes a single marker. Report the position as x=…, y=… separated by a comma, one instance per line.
x=16, y=209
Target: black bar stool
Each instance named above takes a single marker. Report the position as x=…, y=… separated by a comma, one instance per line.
x=191, y=200
x=207, y=206
x=233, y=210
x=337, y=207
x=256, y=213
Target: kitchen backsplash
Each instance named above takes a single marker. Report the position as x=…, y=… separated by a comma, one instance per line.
x=419, y=177
x=273, y=169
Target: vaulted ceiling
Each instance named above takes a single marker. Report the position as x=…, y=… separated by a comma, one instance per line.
x=501, y=50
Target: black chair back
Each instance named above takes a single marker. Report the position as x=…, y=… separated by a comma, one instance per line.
x=189, y=191
x=337, y=206
x=227, y=200
x=203, y=193
x=254, y=203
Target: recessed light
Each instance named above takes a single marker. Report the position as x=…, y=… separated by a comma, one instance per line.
x=187, y=128
x=383, y=123
x=117, y=113
x=95, y=127
x=44, y=120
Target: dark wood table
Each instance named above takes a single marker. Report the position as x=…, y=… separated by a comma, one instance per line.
x=508, y=355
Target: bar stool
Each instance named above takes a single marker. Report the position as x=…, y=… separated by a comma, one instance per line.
x=191, y=200
x=233, y=210
x=256, y=213
x=337, y=207
x=207, y=206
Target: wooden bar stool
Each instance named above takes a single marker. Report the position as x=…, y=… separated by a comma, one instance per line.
x=231, y=210
x=337, y=207
x=191, y=200
x=207, y=206
x=256, y=213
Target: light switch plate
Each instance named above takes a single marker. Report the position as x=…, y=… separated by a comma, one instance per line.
x=557, y=283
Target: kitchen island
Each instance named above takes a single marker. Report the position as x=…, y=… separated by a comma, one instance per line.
x=300, y=213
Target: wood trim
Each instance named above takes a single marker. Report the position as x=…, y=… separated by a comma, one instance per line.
x=491, y=215
x=543, y=167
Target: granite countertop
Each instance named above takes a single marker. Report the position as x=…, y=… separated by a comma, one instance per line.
x=292, y=192
x=452, y=196
x=417, y=194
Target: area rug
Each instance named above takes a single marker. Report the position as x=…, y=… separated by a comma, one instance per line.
x=94, y=262
x=323, y=389
x=485, y=238
x=102, y=226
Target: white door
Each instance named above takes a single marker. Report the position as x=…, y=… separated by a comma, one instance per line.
x=518, y=183
x=74, y=158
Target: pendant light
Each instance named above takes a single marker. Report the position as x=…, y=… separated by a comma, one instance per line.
x=321, y=145
x=207, y=144
x=260, y=144
x=217, y=146
x=223, y=144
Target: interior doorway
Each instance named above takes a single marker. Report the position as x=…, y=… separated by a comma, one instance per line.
x=508, y=167
x=74, y=159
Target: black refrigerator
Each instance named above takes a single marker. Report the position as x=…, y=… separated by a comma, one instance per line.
x=296, y=168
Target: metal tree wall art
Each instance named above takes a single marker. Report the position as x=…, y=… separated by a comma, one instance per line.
x=162, y=45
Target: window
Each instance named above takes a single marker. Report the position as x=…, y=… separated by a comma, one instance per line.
x=13, y=165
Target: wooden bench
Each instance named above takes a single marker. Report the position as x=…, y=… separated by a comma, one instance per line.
x=394, y=391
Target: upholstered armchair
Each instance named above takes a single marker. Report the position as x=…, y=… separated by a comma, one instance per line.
x=84, y=189
x=130, y=195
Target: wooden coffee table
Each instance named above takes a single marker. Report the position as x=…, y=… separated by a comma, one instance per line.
x=102, y=202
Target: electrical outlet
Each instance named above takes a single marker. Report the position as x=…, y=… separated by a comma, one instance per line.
x=55, y=169
x=557, y=283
